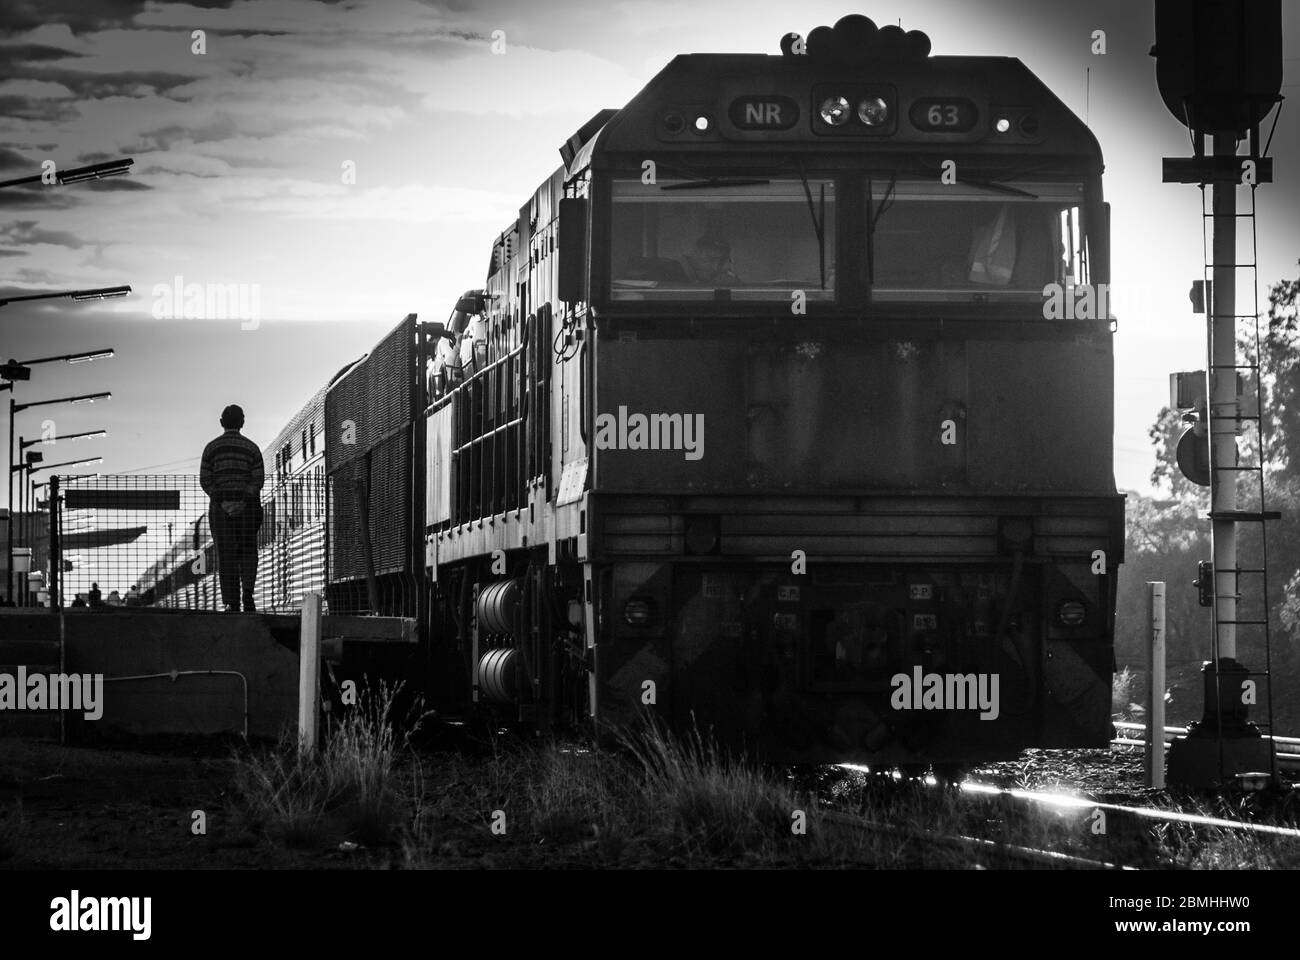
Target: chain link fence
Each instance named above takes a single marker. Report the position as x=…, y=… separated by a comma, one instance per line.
x=146, y=541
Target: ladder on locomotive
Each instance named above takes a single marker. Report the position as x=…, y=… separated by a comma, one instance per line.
x=1249, y=471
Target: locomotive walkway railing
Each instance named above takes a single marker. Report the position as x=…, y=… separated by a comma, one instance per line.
x=498, y=411
x=145, y=541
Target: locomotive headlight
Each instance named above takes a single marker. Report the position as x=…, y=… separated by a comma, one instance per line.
x=701, y=535
x=1003, y=125
x=873, y=111
x=639, y=611
x=836, y=111
x=1071, y=613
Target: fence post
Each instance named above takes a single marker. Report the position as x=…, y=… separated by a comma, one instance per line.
x=56, y=547
x=1155, y=749
x=309, y=671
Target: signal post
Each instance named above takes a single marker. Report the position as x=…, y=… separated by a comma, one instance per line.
x=1219, y=69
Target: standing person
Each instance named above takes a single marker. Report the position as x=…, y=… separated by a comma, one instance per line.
x=231, y=475
x=96, y=598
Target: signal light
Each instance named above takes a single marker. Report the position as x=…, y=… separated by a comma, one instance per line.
x=1003, y=125
x=703, y=124
x=702, y=535
x=1204, y=583
x=836, y=111
x=873, y=111
x=13, y=370
x=638, y=611
x=1071, y=613
x=1193, y=455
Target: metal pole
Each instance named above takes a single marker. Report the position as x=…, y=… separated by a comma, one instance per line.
x=1223, y=405
x=309, y=671
x=1155, y=744
x=56, y=548
x=9, y=523
x=24, y=475
x=24, y=534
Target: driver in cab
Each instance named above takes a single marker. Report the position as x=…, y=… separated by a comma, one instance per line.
x=709, y=262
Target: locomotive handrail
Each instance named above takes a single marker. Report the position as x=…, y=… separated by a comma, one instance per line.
x=518, y=421
x=441, y=401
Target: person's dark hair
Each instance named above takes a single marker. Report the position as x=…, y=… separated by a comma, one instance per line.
x=232, y=418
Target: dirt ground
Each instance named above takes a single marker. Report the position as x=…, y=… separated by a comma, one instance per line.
x=104, y=808
x=133, y=807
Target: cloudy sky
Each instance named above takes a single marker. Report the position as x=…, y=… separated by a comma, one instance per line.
x=242, y=153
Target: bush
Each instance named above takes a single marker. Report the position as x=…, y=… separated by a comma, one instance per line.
x=301, y=797
x=723, y=804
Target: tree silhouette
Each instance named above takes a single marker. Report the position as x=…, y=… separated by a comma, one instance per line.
x=1166, y=536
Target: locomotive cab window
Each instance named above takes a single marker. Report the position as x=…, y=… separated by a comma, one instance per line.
x=965, y=241
x=745, y=240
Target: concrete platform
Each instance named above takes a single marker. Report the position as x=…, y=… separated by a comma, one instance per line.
x=253, y=659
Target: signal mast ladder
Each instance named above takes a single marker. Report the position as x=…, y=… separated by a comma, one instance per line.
x=1229, y=422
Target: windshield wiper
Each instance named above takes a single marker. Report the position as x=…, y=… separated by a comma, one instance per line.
x=873, y=217
x=818, y=214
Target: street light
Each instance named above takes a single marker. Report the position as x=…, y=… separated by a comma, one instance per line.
x=19, y=370
x=14, y=409
x=88, y=435
x=98, y=293
x=68, y=463
x=64, y=478
x=94, y=171
x=69, y=478
x=27, y=495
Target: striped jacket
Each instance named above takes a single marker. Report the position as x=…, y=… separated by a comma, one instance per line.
x=231, y=468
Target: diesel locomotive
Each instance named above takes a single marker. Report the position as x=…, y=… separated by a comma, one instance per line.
x=764, y=421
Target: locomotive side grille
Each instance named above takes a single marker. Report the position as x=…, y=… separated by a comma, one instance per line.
x=390, y=492
x=373, y=407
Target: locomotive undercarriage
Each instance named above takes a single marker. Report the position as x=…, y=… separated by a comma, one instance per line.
x=925, y=660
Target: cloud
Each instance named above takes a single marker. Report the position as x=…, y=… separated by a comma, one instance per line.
x=34, y=90
x=486, y=84
x=13, y=160
x=27, y=233
x=298, y=16
x=413, y=204
x=120, y=184
x=77, y=15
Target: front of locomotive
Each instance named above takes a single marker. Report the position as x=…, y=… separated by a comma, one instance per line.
x=850, y=435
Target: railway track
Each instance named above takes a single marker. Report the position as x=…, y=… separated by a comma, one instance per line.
x=1060, y=830
x=1001, y=852
x=1087, y=806
x=1288, y=748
